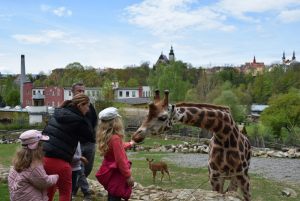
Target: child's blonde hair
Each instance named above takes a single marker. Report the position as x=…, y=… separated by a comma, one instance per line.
x=105, y=130
x=24, y=157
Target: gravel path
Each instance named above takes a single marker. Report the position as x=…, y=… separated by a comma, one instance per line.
x=279, y=169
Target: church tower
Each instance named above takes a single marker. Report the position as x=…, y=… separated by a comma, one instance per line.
x=294, y=57
x=283, y=57
x=171, y=55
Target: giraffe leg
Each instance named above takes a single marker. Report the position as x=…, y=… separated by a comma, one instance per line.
x=217, y=183
x=244, y=184
x=233, y=185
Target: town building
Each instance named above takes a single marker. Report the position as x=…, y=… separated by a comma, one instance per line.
x=291, y=61
x=253, y=67
x=163, y=59
x=133, y=95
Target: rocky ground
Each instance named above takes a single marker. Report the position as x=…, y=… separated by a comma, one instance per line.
x=279, y=169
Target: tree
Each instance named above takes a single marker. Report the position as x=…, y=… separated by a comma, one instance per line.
x=228, y=98
x=283, y=113
x=10, y=91
x=170, y=77
x=107, y=90
x=132, y=82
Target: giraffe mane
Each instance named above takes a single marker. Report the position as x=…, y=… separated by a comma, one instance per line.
x=204, y=105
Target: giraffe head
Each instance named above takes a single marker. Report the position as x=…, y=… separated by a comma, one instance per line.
x=158, y=119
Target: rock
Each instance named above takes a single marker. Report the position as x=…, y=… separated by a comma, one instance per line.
x=288, y=192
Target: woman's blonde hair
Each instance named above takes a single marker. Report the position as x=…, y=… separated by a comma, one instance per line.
x=79, y=99
x=24, y=157
x=105, y=130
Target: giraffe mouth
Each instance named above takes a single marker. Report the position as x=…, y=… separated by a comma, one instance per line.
x=138, y=137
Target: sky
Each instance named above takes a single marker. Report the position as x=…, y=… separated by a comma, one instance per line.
x=119, y=33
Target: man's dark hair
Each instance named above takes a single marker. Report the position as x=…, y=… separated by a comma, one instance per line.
x=76, y=84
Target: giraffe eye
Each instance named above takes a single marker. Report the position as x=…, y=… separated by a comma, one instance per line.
x=163, y=118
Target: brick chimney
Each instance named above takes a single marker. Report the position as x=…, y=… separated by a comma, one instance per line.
x=22, y=79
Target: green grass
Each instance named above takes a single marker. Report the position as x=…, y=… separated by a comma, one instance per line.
x=192, y=178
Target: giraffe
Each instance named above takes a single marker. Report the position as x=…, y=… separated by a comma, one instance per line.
x=230, y=150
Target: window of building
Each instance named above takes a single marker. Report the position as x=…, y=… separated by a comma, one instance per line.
x=70, y=93
x=120, y=93
x=133, y=93
x=33, y=92
x=127, y=93
x=93, y=92
x=43, y=92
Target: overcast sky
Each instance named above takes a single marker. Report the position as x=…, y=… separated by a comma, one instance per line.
x=118, y=33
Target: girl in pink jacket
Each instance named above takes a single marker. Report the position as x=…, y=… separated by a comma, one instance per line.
x=114, y=173
x=27, y=179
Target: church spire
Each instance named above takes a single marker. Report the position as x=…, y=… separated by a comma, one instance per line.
x=254, y=60
x=283, y=57
x=294, y=57
x=171, y=54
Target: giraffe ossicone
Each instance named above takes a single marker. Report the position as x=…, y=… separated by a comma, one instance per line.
x=230, y=150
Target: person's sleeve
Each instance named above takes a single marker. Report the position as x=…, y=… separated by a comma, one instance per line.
x=40, y=180
x=120, y=156
x=77, y=155
x=126, y=145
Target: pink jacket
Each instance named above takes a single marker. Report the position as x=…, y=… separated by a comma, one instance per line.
x=115, y=169
x=30, y=184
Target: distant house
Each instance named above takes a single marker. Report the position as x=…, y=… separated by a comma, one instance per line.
x=256, y=110
x=52, y=95
x=253, y=67
x=133, y=95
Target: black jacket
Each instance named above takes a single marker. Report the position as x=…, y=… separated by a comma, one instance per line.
x=65, y=129
x=93, y=118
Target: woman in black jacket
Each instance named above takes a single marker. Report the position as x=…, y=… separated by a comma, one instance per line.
x=67, y=126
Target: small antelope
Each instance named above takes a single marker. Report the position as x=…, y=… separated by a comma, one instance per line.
x=158, y=166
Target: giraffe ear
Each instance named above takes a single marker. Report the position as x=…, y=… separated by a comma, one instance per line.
x=156, y=96
x=166, y=98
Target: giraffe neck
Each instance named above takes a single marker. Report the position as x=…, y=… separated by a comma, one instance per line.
x=213, y=119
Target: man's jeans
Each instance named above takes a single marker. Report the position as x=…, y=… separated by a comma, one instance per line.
x=88, y=151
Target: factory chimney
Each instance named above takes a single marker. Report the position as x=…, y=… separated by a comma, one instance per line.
x=22, y=78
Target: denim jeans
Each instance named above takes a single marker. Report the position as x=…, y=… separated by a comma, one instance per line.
x=75, y=177
x=113, y=198
x=88, y=151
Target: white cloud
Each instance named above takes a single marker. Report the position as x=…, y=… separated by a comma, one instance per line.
x=45, y=8
x=289, y=16
x=240, y=9
x=166, y=17
x=62, y=11
x=44, y=37
x=56, y=36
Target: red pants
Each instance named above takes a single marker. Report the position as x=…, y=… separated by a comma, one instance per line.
x=64, y=183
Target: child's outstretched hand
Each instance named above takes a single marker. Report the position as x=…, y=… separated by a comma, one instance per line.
x=84, y=160
x=130, y=181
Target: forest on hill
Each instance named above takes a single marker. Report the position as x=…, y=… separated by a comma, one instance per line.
x=278, y=87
